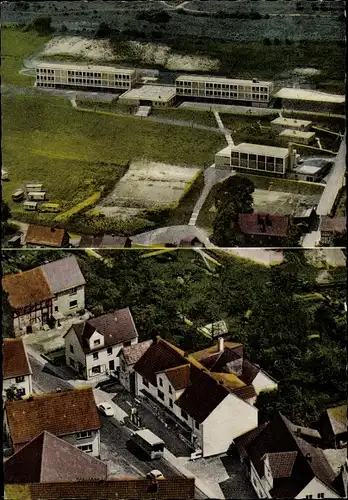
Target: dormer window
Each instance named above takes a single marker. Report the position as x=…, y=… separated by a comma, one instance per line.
x=96, y=342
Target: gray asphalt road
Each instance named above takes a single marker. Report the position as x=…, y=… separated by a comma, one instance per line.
x=44, y=380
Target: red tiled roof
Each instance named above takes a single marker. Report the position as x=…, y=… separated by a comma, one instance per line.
x=26, y=288
x=246, y=392
x=116, y=327
x=264, y=224
x=169, y=488
x=333, y=224
x=15, y=362
x=48, y=458
x=158, y=358
x=44, y=235
x=281, y=463
x=278, y=437
x=133, y=353
x=59, y=413
x=179, y=376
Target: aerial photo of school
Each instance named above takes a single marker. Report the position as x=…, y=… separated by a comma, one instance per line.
x=173, y=232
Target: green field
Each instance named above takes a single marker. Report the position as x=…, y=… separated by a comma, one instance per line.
x=16, y=45
x=75, y=152
x=190, y=115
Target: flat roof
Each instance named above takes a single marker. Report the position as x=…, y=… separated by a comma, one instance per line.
x=296, y=133
x=307, y=169
x=220, y=79
x=84, y=67
x=224, y=152
x=309, y=95
x=260, y=149
x=149, y=436
x=150, y=92
x=291, y=122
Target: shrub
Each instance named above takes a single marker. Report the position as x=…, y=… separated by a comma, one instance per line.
x=91, y=200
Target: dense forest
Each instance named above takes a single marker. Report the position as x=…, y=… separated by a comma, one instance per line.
x=291, y=325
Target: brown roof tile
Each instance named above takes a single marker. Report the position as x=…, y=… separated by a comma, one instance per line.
x=264, y=224
x=278, y=437
x=48, y=458
x=26, y=288
x=159, y=357
x=170, y=488
x=281, y=463
x=103, y=241
x=133, y=353
x=202, y=397
x=179, y=376
x=15, y=362
x=333, y=224
x=44, y=235
x=246, y=392
x=116, y=327
x=59, y=413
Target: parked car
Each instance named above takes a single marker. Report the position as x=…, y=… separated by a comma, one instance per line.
x=106, y=409
x=154, y=474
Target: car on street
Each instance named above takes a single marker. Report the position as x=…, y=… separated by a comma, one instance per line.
x=154, y=474
x=106, y=409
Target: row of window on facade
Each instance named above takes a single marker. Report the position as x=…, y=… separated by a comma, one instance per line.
x=225, y=86
x=84, y=73
x=219, y=93
x=98, y=82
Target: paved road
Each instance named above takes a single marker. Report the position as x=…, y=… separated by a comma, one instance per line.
x=114, y=436
x=334, y=183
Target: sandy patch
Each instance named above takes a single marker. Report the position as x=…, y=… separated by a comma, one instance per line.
x=259, y=255
x=79, y=46
x=150, y=184
x=307, y=71
x=148, y=53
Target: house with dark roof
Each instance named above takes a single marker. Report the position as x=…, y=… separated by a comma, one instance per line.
x=45, y=295
x=16, y=370
x=210, y=393
x=333, y=426
x=69, y=415
x=330, y=227
x=129, y=488
x=128, y=356
x=47, y=459
x=44, y=236
x=104, y=241
x=283, y=465
x=92, y=346
x=263, y=229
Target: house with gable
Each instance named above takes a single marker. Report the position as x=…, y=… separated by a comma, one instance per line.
x=70, y=415
x=45, y=295
x=92, y=347
x=333, y=426
x=47, y=458
x=204, y=401
x=128, y=357
x=16, y=370
x=283, y=465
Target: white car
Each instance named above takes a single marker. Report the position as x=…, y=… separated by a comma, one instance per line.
x=154, y=474
x=106, y=409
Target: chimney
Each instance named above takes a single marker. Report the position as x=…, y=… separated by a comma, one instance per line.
x=309, y=457
x=221, y=344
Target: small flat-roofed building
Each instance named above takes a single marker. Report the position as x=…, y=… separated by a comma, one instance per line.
x=330, y=227
x=282, y=123
x=257, y=157
x=297, y=136
x=222, y=89
x=150, y=95
x=105, y=78
x=309, y=100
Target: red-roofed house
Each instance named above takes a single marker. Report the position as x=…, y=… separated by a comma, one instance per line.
x=16, y=370
x=128, y=357
x=70, y=415
x=92, y=347
x=264, y=229
x=210, y=392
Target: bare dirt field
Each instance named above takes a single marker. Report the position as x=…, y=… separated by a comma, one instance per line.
x=280, y=202
x=145, y=53
x=145, y=182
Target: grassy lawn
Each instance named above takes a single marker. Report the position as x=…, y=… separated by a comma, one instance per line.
x=197, y=116
x=16, y=46
x=74, y=152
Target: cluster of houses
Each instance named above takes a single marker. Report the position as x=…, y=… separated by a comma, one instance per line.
x=211, y=394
